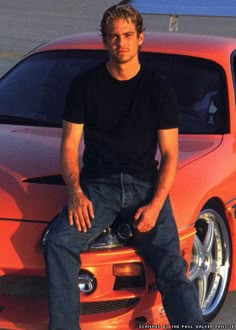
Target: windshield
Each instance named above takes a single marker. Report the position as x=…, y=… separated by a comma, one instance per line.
x=34, y=92
x=36, y=88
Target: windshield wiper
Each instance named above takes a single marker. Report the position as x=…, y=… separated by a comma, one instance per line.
x=8, y=119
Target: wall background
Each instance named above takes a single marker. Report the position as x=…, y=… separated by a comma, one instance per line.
x=25, y=24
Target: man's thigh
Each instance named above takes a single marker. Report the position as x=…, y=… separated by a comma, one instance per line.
x=161, y=244
x=106, y=209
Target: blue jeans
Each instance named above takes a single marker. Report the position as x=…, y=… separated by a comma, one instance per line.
x=119, y=194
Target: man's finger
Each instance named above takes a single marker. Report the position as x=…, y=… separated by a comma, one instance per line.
x=70, y=218
x=91, y=211
x=77, y=222
x=138, y=214
x=81, y=220
x=86, y=218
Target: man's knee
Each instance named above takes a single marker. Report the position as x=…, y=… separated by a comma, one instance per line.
x=171, y=272
x=58, y=232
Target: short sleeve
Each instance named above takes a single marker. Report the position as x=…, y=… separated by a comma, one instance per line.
x=76, y=101
x=168, y=115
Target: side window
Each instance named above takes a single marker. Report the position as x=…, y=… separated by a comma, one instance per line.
x=200, y=101
x=234, y=72
x=200, y=87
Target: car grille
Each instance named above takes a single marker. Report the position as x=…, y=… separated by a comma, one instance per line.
x=107, y=306
x=30, y=286
x=23, y=286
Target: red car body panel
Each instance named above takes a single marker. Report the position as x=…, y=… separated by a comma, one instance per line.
x=206, y=170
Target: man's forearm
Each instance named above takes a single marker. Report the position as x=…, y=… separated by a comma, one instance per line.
x=70, y=168
x=168, y=144
x=165, y=180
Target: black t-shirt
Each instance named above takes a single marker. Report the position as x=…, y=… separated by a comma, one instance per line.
x=121, y=119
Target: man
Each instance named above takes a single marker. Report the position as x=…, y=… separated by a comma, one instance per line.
x=124, y=110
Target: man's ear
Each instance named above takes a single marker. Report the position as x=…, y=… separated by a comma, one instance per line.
x=140, y=38
x=104, y=41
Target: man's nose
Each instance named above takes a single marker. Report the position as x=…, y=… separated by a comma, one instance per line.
x=121, y=41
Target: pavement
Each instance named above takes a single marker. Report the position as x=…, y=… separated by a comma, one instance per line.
x=27, y=23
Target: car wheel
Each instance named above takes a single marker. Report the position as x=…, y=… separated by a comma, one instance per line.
x=210, y=261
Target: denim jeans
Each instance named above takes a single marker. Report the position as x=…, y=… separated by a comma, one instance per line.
x=119, y=194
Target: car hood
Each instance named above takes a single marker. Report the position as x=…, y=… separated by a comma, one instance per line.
x=28, y=152
x=31, y=184
x=192, y=147
x=32, y=152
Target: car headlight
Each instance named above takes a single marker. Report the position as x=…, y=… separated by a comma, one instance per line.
x=106, y=240
x=117, y=235
x=124, y=232
x=87, y=282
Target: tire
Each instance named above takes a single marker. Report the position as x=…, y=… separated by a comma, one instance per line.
x=211, y=259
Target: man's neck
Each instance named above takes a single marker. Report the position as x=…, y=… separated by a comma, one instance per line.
x=123, y=71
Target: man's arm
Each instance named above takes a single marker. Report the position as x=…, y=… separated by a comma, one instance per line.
x=146, y=216
x=80, y=208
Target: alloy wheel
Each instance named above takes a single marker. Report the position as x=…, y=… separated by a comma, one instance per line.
x=210, y=262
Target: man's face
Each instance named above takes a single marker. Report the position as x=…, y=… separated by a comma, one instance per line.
x=122, y=41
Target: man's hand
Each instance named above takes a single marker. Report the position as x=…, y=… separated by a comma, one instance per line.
x=146, y=217
x=80, y=211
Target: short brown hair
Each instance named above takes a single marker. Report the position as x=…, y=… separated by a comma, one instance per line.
x=126, y=12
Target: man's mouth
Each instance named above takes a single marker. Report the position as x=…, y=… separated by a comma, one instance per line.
x=122, y=51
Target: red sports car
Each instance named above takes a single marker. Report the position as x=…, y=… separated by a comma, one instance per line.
x=117, y=288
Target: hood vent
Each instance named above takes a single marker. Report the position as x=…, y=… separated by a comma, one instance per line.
x=56, y=180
